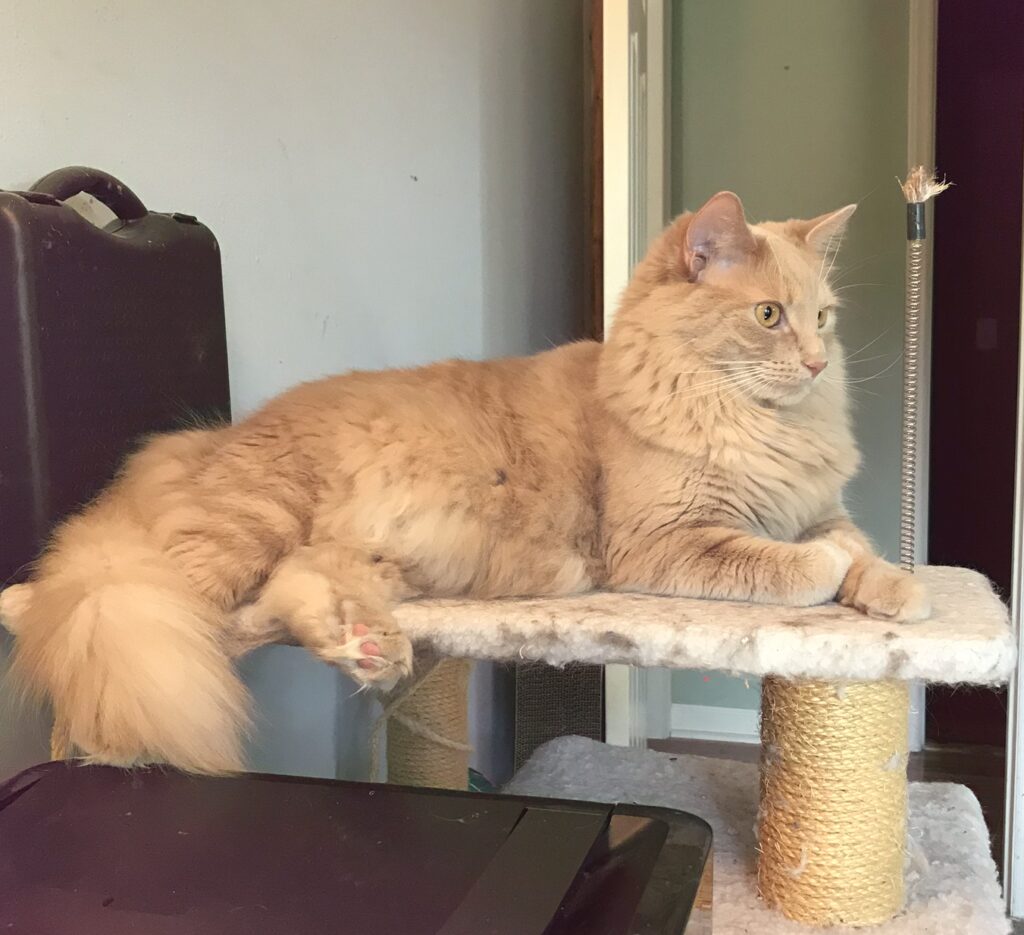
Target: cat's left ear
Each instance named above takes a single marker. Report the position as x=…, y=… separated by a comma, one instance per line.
x=717, y=234
x=821, y=233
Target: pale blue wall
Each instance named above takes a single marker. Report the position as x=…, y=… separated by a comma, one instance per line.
x=800, y=106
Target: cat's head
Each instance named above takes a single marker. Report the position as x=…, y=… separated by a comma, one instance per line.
x=738, y=310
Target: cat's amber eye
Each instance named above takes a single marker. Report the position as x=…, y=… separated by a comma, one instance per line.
x=768, y=314
x=823, y=317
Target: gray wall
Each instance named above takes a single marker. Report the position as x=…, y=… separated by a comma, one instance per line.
x=800, y=106
x=391, y=183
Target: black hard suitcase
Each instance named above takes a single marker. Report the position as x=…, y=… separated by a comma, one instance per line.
x=106, y=336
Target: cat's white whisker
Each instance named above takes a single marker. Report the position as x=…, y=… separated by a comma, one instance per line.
x=874, y=376
x=854, y=285
x=865, y=360
x=863, y=348
x=848, y=388
x=824, y=256
x=707, y=388
x=854, y=267
x=739, y=385
x=686, y=373
x=711, y=387
x=839, y=246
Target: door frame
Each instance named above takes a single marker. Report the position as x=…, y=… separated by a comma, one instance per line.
x=636, y=188
x=636, y=161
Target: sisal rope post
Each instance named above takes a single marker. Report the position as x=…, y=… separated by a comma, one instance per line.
x=428, y=728
x=833, y=817
x=833, y=820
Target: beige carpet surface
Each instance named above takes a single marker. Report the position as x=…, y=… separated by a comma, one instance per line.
x=967, y=639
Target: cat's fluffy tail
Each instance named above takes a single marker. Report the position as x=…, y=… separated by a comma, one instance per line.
x=126, y=651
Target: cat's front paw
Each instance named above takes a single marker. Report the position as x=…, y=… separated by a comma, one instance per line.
x=820, y=574
x=357, y=635
x=886, y=592
x=372, y=650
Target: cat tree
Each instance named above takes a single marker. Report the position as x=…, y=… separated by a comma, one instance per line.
x=835, y=701
x=833, y=798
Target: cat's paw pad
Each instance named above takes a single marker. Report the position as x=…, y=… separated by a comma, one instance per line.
x=370, y=649
x=820, y=574
x=886, y=592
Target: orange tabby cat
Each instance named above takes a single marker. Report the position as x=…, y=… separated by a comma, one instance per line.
x=701, y=451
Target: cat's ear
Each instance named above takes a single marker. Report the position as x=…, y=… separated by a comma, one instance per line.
x=717, y=235
x=821, y=233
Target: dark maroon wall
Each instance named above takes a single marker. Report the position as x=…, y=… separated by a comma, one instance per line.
x=979, y=139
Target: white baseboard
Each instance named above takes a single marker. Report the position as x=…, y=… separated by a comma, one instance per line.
x=703, y=722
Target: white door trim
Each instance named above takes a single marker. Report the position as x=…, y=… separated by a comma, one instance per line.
x=636, y=160
x=920, y=151
x=621, y=683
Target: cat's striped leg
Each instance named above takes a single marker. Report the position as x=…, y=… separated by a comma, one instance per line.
x=336, y=602
x=728, y=564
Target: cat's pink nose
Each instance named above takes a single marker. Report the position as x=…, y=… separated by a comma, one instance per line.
x=815, y=366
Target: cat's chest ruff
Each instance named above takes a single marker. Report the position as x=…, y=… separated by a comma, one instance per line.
x=783, y=477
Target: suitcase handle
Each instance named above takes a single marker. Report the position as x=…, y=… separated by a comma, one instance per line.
x=64, y=183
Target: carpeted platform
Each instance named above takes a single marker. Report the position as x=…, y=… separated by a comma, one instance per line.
x=967, y=638
x=951, y=877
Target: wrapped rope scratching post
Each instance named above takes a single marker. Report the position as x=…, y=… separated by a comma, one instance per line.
x=427, y=728
x=833, y=819
x=833, y=813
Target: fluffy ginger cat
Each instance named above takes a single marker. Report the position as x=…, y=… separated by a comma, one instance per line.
x=701, y=451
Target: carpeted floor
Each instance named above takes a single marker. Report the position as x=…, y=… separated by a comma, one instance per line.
x=951, y=878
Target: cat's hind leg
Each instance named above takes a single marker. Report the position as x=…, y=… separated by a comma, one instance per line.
x=336, y=602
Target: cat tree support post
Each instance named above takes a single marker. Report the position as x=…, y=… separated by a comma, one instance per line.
x=833, y=816
x=428, y=729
